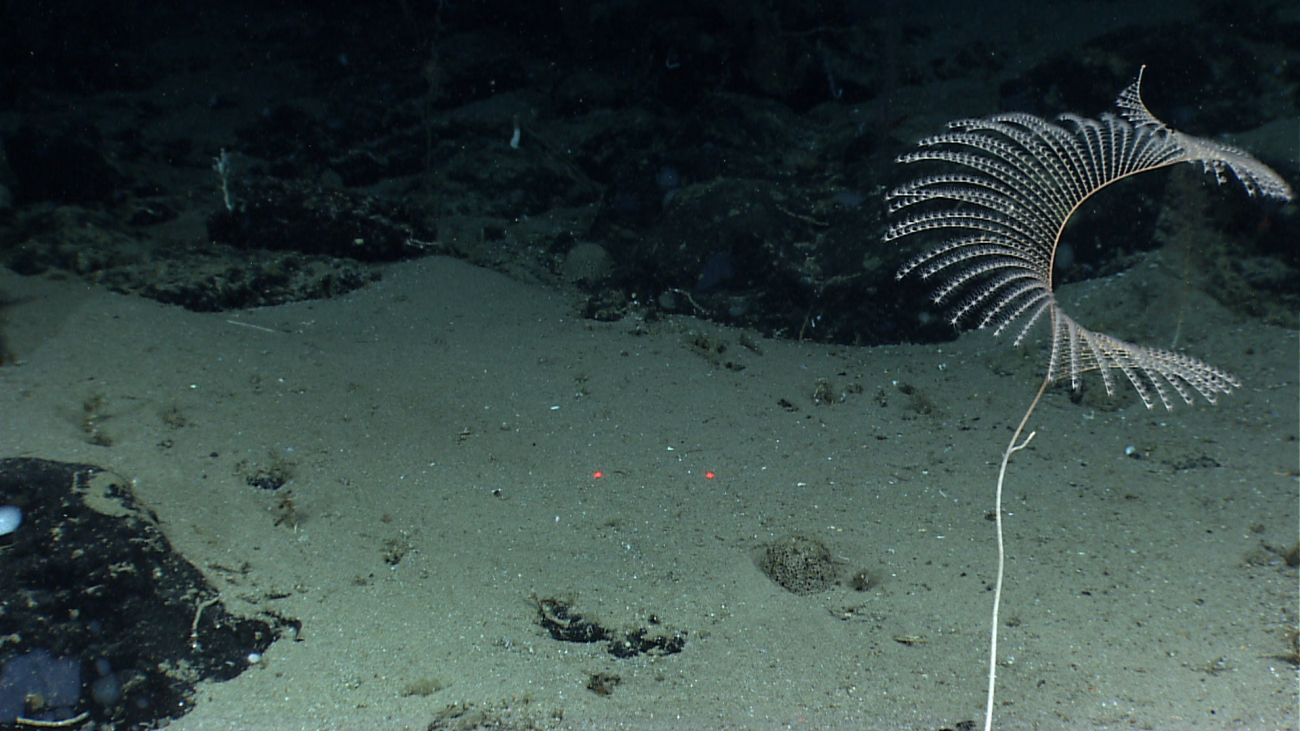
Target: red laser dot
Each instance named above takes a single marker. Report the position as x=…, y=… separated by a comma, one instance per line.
x=709, y=475
x=598, y=474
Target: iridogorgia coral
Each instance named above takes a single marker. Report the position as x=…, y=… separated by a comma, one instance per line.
x=1018, y=179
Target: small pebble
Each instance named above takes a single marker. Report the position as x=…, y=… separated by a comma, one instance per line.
x=10, y=518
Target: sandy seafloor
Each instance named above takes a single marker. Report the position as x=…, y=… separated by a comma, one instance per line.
x=457, y=417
